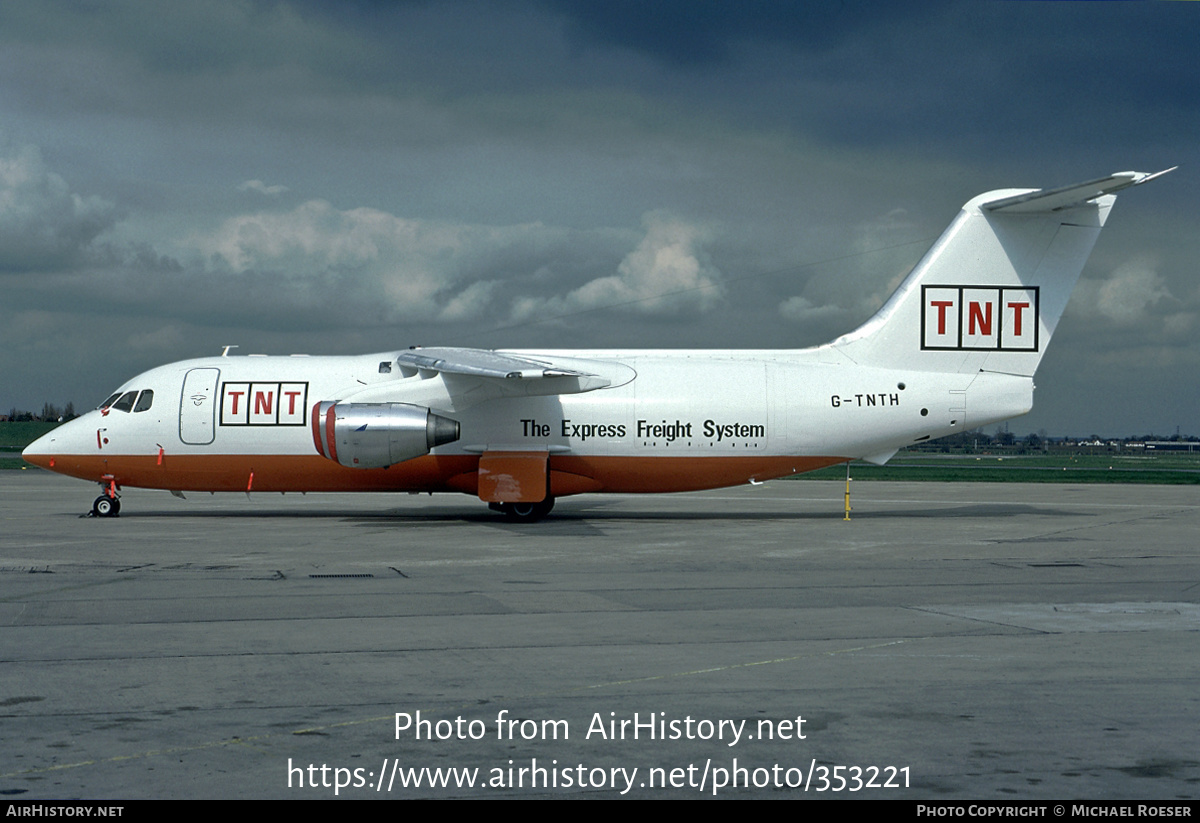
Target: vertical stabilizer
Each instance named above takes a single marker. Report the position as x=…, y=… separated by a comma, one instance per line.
x=988, y=295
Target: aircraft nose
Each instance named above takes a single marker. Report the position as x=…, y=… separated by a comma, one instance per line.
x=69, y=438
x=41, y=451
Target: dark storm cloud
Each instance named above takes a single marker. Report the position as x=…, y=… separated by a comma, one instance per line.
x=706, y=32
x=1014, y=79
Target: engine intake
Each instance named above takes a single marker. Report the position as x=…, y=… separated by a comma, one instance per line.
x=378, y=435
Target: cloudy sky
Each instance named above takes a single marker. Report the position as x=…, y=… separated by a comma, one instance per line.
x=348, y=177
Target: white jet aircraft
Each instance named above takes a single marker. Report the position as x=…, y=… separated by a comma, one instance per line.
x=955, y=347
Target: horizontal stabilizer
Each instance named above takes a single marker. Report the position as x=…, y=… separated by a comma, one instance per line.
x=1041, y=201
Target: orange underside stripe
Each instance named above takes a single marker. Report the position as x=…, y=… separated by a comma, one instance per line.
x=568, y=474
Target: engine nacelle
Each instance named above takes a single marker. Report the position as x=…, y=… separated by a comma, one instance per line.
x=378, y=435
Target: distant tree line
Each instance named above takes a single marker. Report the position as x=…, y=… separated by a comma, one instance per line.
x=50, y=414
x=972, y=442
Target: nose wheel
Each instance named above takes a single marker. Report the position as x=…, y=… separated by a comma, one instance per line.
x=105, y=506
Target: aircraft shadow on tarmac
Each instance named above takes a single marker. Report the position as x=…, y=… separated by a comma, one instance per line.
x=594, y=511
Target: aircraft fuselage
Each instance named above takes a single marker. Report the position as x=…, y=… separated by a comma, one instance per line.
x=669, y=421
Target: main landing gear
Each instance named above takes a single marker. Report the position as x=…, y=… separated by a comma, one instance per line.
x=524, y=512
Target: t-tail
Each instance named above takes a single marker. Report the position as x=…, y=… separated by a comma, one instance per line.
x=989, y=293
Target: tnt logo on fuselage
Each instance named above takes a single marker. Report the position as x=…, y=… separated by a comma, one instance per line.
x=988, y=318
x=263, y=404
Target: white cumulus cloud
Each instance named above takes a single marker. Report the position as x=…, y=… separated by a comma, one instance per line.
x=262, y=188
x=1129, y=295
x=43, y=224
x=668, y=272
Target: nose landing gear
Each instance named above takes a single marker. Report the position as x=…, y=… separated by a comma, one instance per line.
x=107, y=504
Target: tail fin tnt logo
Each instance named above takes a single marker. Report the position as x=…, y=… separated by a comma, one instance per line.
x=979, y=318
x=264, y=404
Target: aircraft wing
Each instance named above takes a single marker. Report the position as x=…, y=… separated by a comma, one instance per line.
x=484, y=363
x=562, y=378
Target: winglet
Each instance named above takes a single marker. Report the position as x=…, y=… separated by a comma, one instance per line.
x=1048, y=200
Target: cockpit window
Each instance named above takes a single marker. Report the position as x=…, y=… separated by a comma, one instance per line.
x=126, y=401
x=109, y=401
x=144, y=401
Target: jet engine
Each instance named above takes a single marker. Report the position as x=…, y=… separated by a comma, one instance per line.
x=378, y=435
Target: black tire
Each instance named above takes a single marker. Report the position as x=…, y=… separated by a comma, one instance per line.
x=527, y=512
x=105, y=506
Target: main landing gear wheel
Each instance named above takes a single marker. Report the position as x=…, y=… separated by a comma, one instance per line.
x=105, y=506
x=527, y=512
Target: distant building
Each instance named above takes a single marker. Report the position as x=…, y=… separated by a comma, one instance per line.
x=1172, y=445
